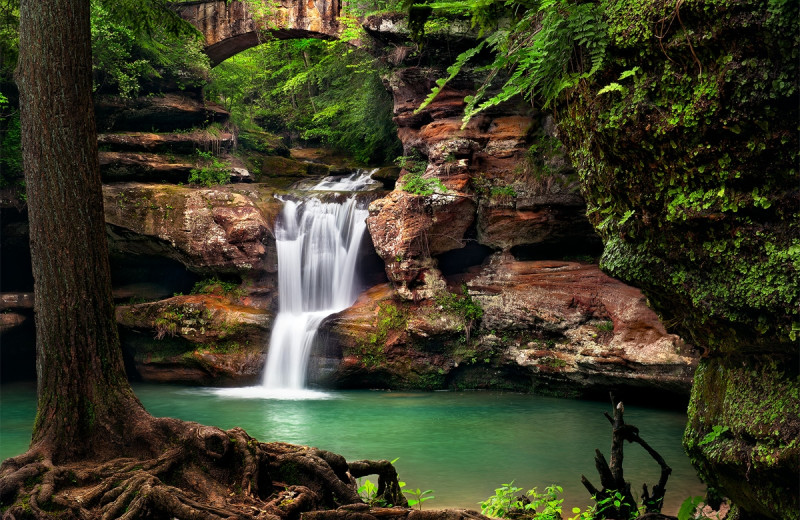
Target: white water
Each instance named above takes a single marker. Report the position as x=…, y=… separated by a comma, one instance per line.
x=317, y=251
x=357, y=181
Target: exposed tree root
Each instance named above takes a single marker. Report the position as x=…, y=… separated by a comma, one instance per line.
x=203, y=473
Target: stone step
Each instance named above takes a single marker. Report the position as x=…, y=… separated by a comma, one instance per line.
x=152, y=167
x=144, y=167
x=165, y=113
x=175, y=143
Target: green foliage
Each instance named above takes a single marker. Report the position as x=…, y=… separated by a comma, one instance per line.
x=715, y=433
x=323, y=91
x=548, y=47
x=389, y=318
x=217, y=286
x=503, y=191
x=9, y=39
x=414, y=162
x=169, y=321
x=613, y=503
x=605, y=326
x=688, y=507
x=504, y=499
x=419, y=497
x=212, y=172
x=371, y=7
x=416, y=184
x=368, y=493
x=463, y=306
x=138, y=45
x=508, y=503
x=10, y=149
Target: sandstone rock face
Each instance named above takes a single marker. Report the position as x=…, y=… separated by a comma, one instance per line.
x=504, y=172
x=558, y=327
x=170, y=143
x=143, y=167
x=210, y=230
x=195, y=339
x=408, y=230
x=12, y=310
x=519, y=221
x=166, y=113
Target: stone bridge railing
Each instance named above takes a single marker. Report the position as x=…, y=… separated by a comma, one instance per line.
x=231, y=27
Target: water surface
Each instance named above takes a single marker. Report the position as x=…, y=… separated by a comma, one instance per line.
x=460, y=444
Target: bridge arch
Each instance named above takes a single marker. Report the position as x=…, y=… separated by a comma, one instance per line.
x=231, y=27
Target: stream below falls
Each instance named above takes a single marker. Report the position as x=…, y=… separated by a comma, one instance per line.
x=460, y=444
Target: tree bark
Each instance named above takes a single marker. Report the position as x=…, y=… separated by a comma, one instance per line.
x=84, y=399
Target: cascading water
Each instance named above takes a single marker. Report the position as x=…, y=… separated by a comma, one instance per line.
x=317, y=250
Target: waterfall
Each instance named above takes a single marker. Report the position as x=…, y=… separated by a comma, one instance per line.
x=317, y=251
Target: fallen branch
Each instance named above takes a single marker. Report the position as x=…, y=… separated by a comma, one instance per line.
x=615, y=499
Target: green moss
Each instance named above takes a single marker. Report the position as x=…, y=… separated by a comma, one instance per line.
x=688, y=150
x=755, y=409
x=689, y=169
x=389, y=317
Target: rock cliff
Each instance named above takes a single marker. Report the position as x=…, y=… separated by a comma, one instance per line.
x=691, y=175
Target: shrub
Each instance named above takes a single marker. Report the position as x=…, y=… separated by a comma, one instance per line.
x=469, y=310
x=415, y=184
x=213, y=171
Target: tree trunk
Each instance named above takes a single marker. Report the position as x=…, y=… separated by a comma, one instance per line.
x=84, y=398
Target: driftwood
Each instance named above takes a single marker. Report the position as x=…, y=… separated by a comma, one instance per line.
x=612, y=478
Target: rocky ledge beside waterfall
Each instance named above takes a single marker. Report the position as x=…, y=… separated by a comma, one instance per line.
x=514, y=238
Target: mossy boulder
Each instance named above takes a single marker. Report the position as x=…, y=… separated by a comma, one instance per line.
x=195, y=339
x=687, y=148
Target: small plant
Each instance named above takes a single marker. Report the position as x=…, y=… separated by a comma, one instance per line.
x=505, y=498
x=212, y=172
x=469, y=310
x=368, y=492
x=415, y=184
x=217, y=286
x=420, y=497
x=168, y=322
x=606, y=326
x=616, y=502
x=715, y=433
x=415, y=162
x=507, y=503
x=503, y=192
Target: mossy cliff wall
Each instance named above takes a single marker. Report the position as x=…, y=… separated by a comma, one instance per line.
x=689, y=165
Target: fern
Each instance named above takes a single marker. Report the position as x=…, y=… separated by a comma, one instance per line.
x=549, y=47
x=452, y=72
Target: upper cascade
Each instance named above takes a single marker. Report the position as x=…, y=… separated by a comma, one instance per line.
x=318, y=244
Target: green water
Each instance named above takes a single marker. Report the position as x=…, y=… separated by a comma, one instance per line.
x=462, y=445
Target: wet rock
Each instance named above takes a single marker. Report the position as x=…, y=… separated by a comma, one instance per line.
x=210, y=230
x=195, y=339
x=553, y=327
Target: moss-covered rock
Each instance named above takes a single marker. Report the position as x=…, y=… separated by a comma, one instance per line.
x=687, y=147
x=195, y=339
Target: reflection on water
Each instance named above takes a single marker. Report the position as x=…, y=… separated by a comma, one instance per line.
x=462, y=445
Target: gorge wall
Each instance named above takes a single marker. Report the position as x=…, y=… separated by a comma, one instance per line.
x=696, y=204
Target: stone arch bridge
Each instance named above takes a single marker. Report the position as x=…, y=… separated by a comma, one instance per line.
x=233, y=26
